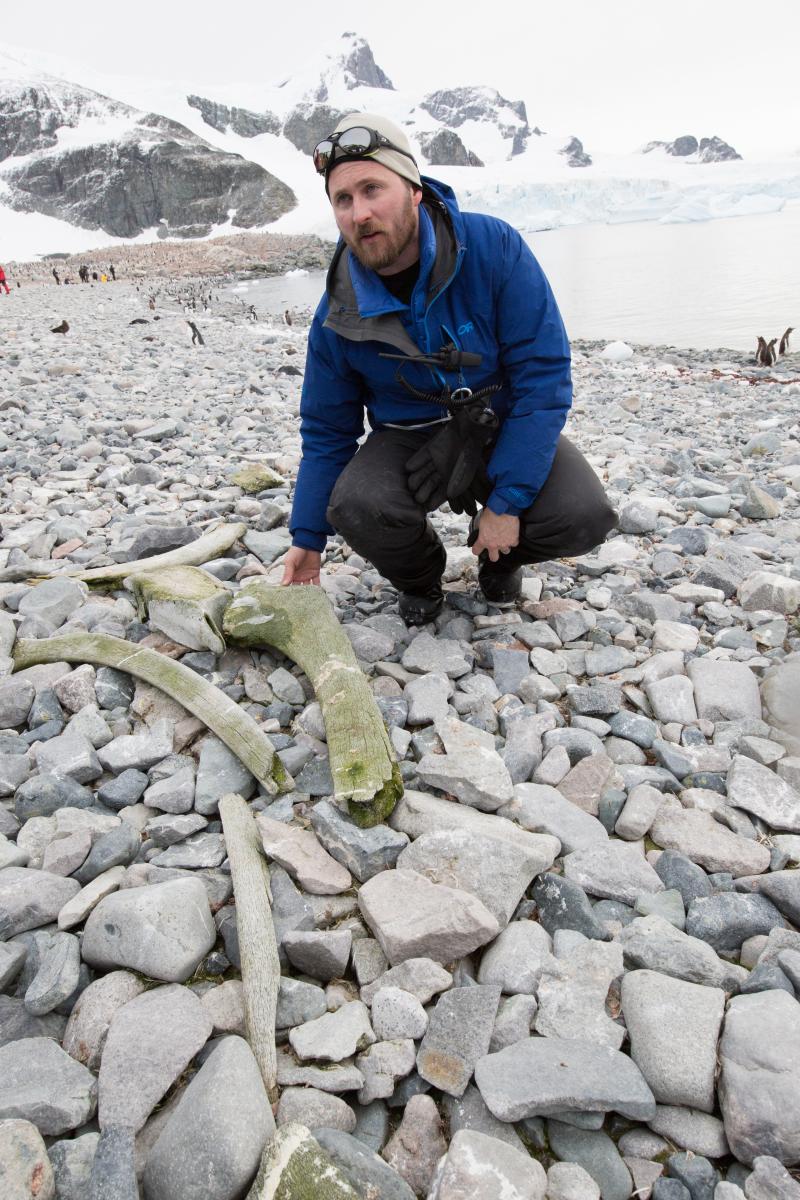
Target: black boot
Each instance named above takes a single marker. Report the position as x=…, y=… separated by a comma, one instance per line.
x=501, y=588
x=419, y=610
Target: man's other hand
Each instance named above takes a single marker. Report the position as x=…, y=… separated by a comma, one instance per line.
x=497, y=534
x=301, y=566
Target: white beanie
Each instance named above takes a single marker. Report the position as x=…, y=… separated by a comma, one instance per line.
x=398, y=163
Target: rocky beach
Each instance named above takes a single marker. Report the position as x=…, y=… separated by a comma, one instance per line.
x=568, y=965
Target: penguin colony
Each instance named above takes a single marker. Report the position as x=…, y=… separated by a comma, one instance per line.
x=766, y=354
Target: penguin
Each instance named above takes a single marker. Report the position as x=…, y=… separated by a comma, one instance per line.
x=287, y=317
x=783, y=348
x=762, y=356
x=771, y=353
x=62, y=328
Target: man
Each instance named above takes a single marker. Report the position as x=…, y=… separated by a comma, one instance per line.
x=416, y=279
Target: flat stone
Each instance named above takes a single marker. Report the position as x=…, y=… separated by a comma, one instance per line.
x=763, y=589
x=16, y=698
x=71, y=1160
x=169, y=830
x=497, y=872
x=150, y=1042
x=586, y=782
x=321, y=953
x=75, y=911
x=759, y=1087
x=139, y=751
x=41, y=1084
x=470, y=1112
x=563, y=904
x=54, y=600
x=87, y=1027
x=30, y=899
x=64, y=855
x=217, y=1133
x=219, y=772
x=57, y=974
x=691, y=1130
x=727, y=919
x=674, y=1027
x=759, y=790
x=677, y=871
x=427, y=698
x=441, y=656
x=334, y=1036
x=70, y=754
x=174, y=794
x=194, y=852
x=672, y=699
x=421, y=977
x=458, y=1034
x=476, y=775
x=543, y=809
x=12, y=958
x=547, y=1075
x=706, y=842
x=771, y=1181
x=364, y=852
x=614, y=871
x=397, y=1014
x=113, y=1172
x=300, y=853
x=568, y=1181
x=655, y=944
x=412, y=917
x=160, y=930
x=117, y=847
x=516, y=959
x=780, y=693
x=572, y=994
x=479, y=1167
x=724, y=691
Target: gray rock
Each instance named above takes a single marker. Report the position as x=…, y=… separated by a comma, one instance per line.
x=771, y=1181
x=695, y=1173
x=480, y=1167
x=573, y=989
x=397, y=1014
x=656, y=945
x=674, y=1027
x=322, y=954
x=783, y=889
x=514, y=1021
x=315, y=1110
x=672, y=699
x=470, y=1112
x=438, y=656
x=707, y=843
x=476, y=775
x=759, y=790
x=361, y=1166
x=335, y=1077
x=543, y=809
x=568, y=1181
x=219, y=772
x=615, y=871
x=641, y=809
x=212, y=1143
x=42, y=1084
x=516, y=959
x=458, y=1034
x=139, y=751
x=724, y=691
x=113, y=1175
x=25, y=1169
x=72, y=1165
x=563, y=904
x=364, y=852
x=12, y=957
x=692, y=1130
x=30, y=899
x=334, y=1036
x=300, y=853
x=169, y=830
x=87, y=1027
x=57, y=974
x=418, y=812
x=113, y=689
x=497, y=872
x=175, y=794
x=118, y=847
x=677, y=871
x=372, y=1125
x=596, y=1153
x=412, y=917
x=150, y=1042
x=727, y=919
x=759, y=1087
x=422, y=977
x=70, y=754
x=547, y=1075
x=16, y=698
x=199, y=850
x=54, y=600
x=161, y=930
x=427, y=698
x=381, y=1065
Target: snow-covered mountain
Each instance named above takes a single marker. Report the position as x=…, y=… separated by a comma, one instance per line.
x=79, y=168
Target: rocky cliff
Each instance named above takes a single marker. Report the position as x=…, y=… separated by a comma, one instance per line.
x=707, y=150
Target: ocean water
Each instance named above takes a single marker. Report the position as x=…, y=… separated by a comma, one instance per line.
x=704, y=284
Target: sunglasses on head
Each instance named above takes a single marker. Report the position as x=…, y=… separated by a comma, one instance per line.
x=358, y=142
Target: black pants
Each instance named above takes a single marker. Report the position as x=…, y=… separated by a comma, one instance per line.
x=372, y=508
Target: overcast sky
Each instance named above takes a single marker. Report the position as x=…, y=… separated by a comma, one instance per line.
x=616, y=73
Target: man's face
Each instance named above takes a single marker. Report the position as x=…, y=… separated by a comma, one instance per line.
x=377, y=212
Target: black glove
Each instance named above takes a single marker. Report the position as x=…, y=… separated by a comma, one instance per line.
x=445, y=468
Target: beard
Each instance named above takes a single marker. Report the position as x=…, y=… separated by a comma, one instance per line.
x=391, y=243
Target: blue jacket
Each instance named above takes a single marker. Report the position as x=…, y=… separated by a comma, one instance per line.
x=480, y=287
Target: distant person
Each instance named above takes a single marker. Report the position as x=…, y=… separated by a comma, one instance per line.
x=112, y=272
x=94, y=276
x=3, y=283
x=83, y=271
x=468, y=410
x=55, y=276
